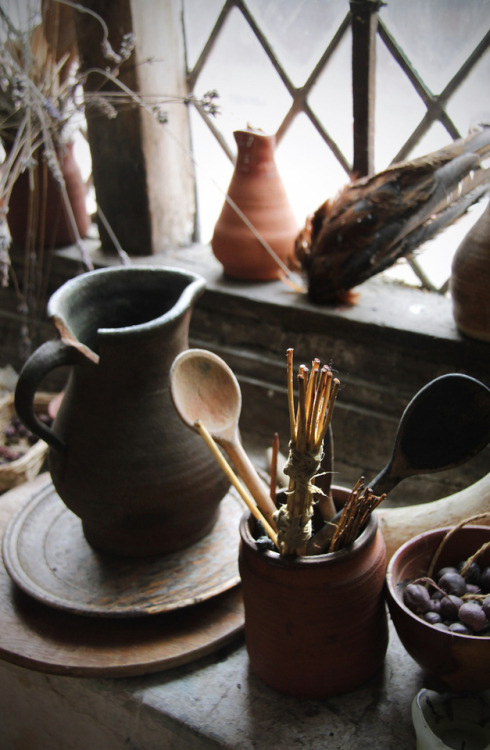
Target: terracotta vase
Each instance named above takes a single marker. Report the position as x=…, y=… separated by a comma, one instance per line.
x=315, y=626
x=257, y=190
x=38, y=216
x=470, y=281
x=119, y=456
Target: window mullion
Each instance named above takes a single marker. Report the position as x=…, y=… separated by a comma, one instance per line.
x=364, y=22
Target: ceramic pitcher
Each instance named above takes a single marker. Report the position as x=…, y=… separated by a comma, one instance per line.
x=119, y=456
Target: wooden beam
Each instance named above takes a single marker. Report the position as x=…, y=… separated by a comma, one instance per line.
x=143, y=181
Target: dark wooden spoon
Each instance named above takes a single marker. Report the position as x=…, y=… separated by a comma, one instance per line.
x=446, y=423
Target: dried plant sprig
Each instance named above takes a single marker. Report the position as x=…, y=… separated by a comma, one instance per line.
x=42, y=102
x=355, y=514
x=474, y=557
x=449, y=534
x=309, y=421
x=292, y=417
x=273, y=472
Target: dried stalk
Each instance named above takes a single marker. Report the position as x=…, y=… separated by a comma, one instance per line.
x=448, y=536
x=273, y=474
x=309, y=422
x=357, y=510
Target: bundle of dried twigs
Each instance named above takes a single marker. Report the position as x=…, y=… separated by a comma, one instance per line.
x=309, y=422
x=355, y=514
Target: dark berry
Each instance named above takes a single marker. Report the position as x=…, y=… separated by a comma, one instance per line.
x=473, y=573
x=416, y=597
x=485, y=581
x=453, y=583
x=472, y=615
x=450, y=606
x=446, y=569
x=432, y=617
x=486, y=607
x=459, y=627
x=435, y=605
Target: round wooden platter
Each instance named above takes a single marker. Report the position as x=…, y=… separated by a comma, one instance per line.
x=57, y=640
x=47, y=556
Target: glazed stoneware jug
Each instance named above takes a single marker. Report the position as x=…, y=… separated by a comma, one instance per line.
x=119, y=456
x=257, y=190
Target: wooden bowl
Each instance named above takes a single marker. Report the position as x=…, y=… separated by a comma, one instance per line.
x=460, y=662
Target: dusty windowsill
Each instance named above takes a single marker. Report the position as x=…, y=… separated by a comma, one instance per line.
x=380, y=303
x=384, y=348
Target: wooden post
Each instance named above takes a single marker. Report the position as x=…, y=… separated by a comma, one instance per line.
x=143, y=180
x=364, y=21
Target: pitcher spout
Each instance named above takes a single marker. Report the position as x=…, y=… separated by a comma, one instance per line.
x=121, y=302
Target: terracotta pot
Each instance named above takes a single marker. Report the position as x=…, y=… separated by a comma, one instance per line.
x=119, y=456
x=470, y=281
x=315, y=626
x=39, y=217
x=257, y=189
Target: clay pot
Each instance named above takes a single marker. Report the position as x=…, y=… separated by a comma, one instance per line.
x=315, y=626
x=257, y=189
x=119, y=455
x=470, y=281
x=38, y=217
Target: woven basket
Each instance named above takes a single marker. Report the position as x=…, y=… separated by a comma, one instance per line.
x=29, y=465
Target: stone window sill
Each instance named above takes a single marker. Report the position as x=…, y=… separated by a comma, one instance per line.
x=384, y=348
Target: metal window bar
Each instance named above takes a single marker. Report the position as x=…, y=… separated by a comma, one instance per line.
x=366, y=26
x=435, y=111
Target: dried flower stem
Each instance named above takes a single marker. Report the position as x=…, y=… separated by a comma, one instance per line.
x=40, y=95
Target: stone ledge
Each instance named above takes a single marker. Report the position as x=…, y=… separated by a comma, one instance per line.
x=384, y=348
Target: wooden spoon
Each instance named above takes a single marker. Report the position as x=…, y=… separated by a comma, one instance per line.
x=446, y=423
x=204, y=388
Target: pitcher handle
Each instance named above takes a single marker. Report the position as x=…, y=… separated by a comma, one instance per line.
x=47, y=357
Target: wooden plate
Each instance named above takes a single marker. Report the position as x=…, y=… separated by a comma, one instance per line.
x=53, y=640
x=46, y=554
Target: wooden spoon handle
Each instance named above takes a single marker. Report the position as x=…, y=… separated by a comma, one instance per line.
x=385, y=480
x=248, y=473
x=248, y=500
